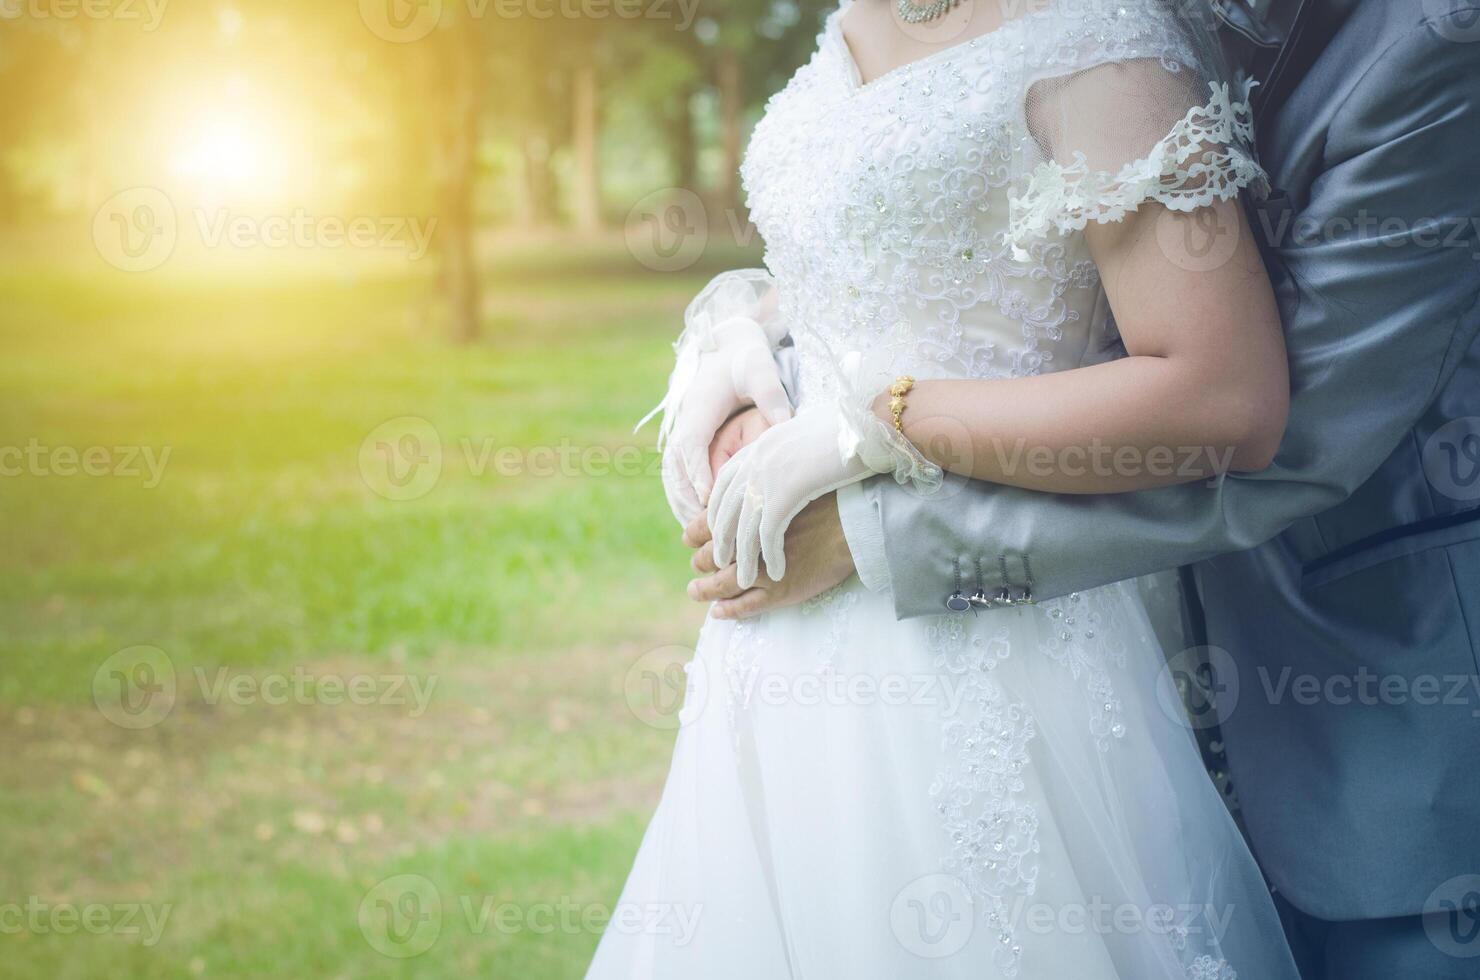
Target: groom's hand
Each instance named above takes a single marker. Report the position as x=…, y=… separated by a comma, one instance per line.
x=817, y=558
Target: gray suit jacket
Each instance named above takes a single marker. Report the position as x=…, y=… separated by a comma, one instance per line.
x=1358, y=553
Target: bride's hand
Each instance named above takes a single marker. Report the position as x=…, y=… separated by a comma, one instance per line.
x=765, y=485
x=820, y=560
x=739, y=371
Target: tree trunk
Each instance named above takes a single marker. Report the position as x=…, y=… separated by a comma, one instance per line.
x=460, y=281
x=585, y=131
x=682, y=141
x=458, y=231
x=730, y=102
x=536, y=210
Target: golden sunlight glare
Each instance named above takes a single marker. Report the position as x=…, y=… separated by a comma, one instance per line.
x=224, y=153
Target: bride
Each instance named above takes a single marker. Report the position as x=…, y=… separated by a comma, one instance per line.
x=1005, y=791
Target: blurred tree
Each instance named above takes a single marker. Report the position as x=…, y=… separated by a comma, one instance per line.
x=755, y=46
x=585, y=120
x=493, y=99
x=662, y=70
x=463, y=57
x=705, y=82
x=55, y=111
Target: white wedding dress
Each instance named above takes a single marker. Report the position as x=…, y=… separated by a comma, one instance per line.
x=1011, y=793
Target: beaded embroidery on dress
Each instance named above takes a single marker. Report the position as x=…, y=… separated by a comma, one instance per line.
x=1010, y=794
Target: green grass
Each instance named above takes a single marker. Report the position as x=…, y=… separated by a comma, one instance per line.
x=265, y=551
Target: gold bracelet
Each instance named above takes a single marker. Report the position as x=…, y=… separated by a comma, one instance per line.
x=897, y=392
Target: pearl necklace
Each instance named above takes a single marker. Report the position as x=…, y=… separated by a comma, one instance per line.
x=913, y=14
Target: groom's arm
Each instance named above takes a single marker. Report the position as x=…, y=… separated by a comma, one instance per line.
x=1377, y=321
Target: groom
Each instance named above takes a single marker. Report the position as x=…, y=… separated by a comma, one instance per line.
x=1343, y=582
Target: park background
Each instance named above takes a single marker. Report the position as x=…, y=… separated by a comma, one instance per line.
x=340, y=608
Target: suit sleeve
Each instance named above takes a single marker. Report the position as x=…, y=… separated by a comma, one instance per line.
x=1378, y=279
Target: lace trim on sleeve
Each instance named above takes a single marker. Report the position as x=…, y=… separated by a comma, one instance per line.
x=1200, y=162
x=862, y=436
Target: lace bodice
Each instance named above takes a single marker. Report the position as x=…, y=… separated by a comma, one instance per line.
x=932, y=222
x=925, y=216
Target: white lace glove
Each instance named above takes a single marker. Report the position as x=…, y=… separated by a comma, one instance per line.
x=725, y=361
x=767, y=484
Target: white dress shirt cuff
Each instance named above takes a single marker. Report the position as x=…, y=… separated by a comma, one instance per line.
x=863, y=526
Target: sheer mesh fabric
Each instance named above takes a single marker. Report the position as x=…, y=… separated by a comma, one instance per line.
x=1146, y=114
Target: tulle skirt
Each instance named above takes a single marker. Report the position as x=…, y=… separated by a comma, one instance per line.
x=1015, y=793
